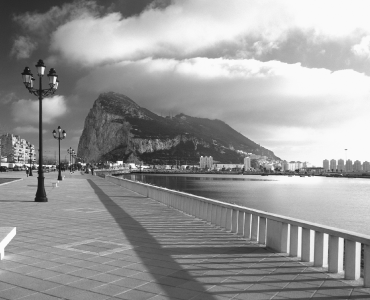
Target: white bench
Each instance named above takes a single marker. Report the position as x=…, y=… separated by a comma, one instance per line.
x=6, y=235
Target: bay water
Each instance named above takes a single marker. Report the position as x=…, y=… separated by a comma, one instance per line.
x=338, y=202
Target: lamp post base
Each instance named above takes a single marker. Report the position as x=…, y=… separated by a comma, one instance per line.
x=41, y=194
x=30, y=174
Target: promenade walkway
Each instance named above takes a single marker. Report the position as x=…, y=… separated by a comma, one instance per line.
x=94, y=240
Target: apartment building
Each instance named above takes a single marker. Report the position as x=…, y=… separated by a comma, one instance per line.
x=325, y=165
x=206, y=162
x=349, y=165
x=17, y=150
x=357, y=166
x=333, y=165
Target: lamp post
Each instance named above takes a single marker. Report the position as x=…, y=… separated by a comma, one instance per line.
x=70, y=160
x=40, y=93
x=59, y=138
x=30, y=173
x=73, y=160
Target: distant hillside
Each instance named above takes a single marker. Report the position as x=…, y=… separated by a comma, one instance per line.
x=116, y=128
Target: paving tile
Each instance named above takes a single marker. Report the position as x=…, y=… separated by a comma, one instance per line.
x=15, y=293
x=39, y=296
x=135, y=295
x=72, y=293
x=86, y=284
x=110, y=289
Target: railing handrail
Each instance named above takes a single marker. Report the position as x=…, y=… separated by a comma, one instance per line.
x=346, y=234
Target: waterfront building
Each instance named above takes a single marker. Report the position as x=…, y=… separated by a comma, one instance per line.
x=357, y=166
x=227, y=167
x=340, y=165
x=247, y=163
x=366, y=166
x=284, y=166
x=206, y=162
x=17, y=150
x=325, y=165
x=292, y=166
x=298, y=165
x=333, y=165
x=306, y=164
x=349, y=165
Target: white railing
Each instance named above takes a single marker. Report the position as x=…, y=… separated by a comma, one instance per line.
x=311, y=242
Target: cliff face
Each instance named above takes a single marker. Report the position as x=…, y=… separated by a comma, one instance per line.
x=116, y=128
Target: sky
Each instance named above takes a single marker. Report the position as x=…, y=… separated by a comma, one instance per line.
x=290, y=75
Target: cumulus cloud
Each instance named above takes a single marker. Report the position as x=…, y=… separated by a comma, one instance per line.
x=191, y=28
x=23, y=47
x=363, y=48
x=247, y=91
x=27, y=111
x=38, y=26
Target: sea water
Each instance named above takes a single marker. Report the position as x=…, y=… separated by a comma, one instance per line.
x=339, y=202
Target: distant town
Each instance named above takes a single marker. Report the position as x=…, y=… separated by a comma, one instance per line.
x=16, y=151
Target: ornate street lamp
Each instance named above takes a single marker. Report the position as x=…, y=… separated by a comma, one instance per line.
x=59, y=138
x=30, y=173
x=40, y=93
x=70, y=159
x=73, y=160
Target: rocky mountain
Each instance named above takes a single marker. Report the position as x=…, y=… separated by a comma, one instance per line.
x=116, y=128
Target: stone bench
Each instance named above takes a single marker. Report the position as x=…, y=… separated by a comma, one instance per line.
x=6, y=235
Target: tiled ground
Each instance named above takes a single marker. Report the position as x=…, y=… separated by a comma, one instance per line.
x=94, y=240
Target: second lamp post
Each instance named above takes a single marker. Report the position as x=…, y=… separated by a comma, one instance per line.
x=59, y=138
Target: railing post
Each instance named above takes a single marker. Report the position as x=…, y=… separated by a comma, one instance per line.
x=223, y=217
x=204, y=211
x=228, y=219
x=321, y=249
x=277, y=237
x=335, y=260
x=262, y=231
x=295, y=249
x=366, y=266
x=214, y=214
x=218, y=215
x=254, y=233
x=307, y=244
x=234, y=224
x=209, y=212
x=352, y=261
x=247, y=225
x=241, y=222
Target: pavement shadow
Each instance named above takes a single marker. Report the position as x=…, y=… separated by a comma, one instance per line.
x=135, y=232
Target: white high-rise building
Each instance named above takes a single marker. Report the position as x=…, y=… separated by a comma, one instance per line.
x=333, y=165
x=325, y=165
x=366, y=166
x=247, y=163
x=284, y=166
x=340, y=165
x=16, y=149
x=357, y=166
x=349, y=166
x=206, y=162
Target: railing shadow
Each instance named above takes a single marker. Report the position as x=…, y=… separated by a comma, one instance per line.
x=198, y=262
